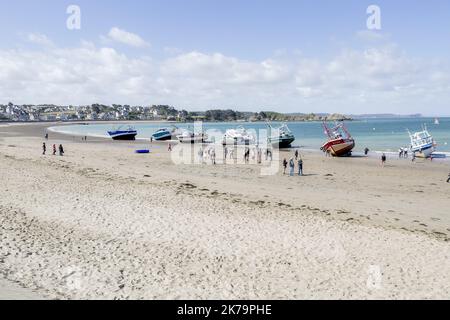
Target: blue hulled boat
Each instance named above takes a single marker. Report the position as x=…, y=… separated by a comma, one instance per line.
x=128, y=133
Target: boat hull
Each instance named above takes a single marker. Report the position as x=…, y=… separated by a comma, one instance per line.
x=340, y=147
x=162, y=137
x=123, y=135
x=281, y=142
x=191, y=139
x=424, y=153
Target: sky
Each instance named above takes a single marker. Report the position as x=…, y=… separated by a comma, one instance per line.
x=285, y=56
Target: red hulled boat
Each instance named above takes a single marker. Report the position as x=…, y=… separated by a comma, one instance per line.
x=340, y=143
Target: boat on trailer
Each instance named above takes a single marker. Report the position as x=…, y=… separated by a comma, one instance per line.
x=340, y=142
x=281, y=137
x=422, y=143
x=123, y=133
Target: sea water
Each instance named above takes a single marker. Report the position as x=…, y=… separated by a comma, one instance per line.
x=384, y=135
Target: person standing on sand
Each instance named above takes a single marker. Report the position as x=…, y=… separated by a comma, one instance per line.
x=366, y=151
x=448, y=180
x=170, y=147
x=46, y=136
x=291, y=167
x=54, y=149
x=296, y=154
x=300, y=166
x=284, y=165
x=383, y=160
x=61, y=150
x=44, y=149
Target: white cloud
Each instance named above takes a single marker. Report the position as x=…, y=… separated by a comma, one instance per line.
x=371, y=35
x=40, y=39
x=378, y=79
x=128, y=38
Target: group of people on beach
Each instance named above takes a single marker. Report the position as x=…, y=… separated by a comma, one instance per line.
x=291, y=163
x=44, y=148
x=60, y=148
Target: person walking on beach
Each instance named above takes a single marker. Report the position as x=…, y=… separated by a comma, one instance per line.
x=400, y=153
x=285, y=163
x=213, y=156
x=300, y=166
x=383, y=160
x=366, y=151
x=291, y=167
x=61, y=150
x=170, y=147
x=54, y=149
x=448, y=180
x=296, y=154
x=46, y=136
x=44, y=149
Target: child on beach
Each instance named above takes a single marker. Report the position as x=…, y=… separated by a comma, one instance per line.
x=300, y=166
x=284, y=165
x=383, y=160
x=291, y=167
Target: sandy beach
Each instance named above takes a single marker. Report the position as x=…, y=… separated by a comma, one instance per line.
x=105, y=223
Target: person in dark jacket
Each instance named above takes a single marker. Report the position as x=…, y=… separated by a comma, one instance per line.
x=61, y=150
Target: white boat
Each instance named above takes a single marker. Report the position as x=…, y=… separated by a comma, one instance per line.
x=422, y=143
x=188, y=136
x=436, y=121
x=238, y=136
x=281, y=137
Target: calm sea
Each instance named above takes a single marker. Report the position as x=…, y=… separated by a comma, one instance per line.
x=377, y=134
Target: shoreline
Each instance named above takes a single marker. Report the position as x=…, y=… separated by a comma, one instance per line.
x=139, y=225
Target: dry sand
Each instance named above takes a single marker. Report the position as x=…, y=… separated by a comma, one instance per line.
x=103, y=222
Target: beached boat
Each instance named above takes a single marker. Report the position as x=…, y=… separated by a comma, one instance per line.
x=281, y=137
x=164, y=134
x=340, y=143
x=422, y=143
x=188, y=136
x=238, y=136
x=121, y=133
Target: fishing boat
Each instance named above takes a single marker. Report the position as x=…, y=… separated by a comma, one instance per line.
x=188, y=136
x=121, y=133
x=422, y=143
x=163, y=134
x=340, y=143
x=238, y=136
x=281, y=137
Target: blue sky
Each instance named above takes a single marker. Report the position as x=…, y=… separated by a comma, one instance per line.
x=290, y=41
